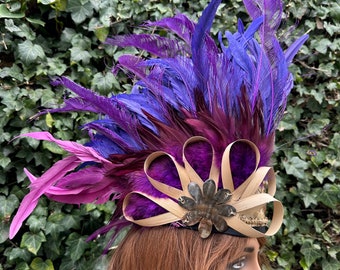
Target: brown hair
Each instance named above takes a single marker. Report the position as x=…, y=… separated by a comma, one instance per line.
x=170, y=248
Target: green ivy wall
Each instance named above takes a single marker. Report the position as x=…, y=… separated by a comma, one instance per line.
x=46, y=38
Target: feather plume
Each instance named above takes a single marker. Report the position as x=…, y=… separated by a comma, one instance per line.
x=191, y=87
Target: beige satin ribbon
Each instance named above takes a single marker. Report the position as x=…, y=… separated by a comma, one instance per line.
x=245, y=198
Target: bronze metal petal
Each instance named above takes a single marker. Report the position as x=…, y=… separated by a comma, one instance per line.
x=209, y=189
x=205, y=228
x=187, y=203
x=226, y=210
x=195, y=191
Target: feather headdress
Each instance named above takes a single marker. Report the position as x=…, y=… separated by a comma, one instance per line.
x=192, y=142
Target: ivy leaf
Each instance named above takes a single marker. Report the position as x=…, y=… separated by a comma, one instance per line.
x=4, y=161
x=57, y=67
x=53, y=248
x=303, y=264
x=101, y=33
x=53, y=225
x=309, y=199
x=60, y=5
x=49, y=120
x=5, y=13
x=318, y=95
x=32, y=241
x=101, y=262
x=76, y=246
x=36, y=21
x=48, y=98
x=22, y=31
x=330, y=264
x=4, y=229
x=79, y=11
x=334, y=251
x=22, y=266
x=41, y=210
x=295, y=166
x=14, y=72
x=29, y=52
x=104, y=83
x=8, y=205
x=71, y=221
x=40, y=264
x=67, y=264
x=36, y=223
x=291, y=223
x=311, y=253
x=328, y=195
x=18, y=253
x=322, y=45
x=335, y=141
x=80, y=55
x=272, y=255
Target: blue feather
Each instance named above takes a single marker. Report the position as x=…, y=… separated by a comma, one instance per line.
x=180, y=78
x=294, y=48
x=201, y=46
x=104, y=145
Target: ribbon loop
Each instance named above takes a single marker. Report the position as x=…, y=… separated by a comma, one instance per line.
x=164, y=188
x=214, y=171
x=175, y=212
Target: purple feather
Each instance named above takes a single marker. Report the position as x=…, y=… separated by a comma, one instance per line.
x=180, y=25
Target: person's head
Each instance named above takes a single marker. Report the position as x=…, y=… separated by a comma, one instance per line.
x=170, y=248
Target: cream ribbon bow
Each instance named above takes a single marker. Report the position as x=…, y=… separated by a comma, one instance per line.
x=245, y=198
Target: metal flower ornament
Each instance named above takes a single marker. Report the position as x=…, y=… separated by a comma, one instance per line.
x=207, y=207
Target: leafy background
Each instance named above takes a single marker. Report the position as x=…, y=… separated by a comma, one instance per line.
x=45, y=38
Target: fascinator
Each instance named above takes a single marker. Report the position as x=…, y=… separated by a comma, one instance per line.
x=190, y=145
